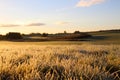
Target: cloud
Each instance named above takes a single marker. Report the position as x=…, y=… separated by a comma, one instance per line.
x=17, y=25
x=88, y=3
x=36, y=24
x=62, y=23
x=9, y=25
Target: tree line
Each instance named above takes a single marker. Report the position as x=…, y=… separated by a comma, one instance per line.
x=64, y=35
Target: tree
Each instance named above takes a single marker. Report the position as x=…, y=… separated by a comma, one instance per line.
x=65, y=32
x=1, y=37
x=13, y=35
x=77, y=32
x=45, y=34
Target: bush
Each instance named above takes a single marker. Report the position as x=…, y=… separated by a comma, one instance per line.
x=77, y=32
x=1, y=37
x=45, y=34
x=13, y=35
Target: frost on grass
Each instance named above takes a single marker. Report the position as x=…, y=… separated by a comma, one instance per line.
x=60, y=62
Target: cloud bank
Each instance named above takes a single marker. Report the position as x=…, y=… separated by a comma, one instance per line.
x=88, y=3
x=16, y=25
x=9, y=25
x=36, y=24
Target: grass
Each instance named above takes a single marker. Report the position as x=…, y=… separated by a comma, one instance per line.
x=59, y=62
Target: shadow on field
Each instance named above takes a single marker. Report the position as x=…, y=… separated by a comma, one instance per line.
x=99, y=53
x=99, y=37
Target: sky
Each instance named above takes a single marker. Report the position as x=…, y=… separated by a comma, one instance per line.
x=54, y=16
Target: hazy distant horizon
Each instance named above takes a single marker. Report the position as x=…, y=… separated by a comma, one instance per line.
x=57, y=16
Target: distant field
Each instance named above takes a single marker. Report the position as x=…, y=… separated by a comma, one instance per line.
x=100, y=38
x=106, y=37
x=44, y=43
x=59, y=62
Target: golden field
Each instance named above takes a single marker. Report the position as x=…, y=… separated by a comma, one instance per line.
x=59, y=62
